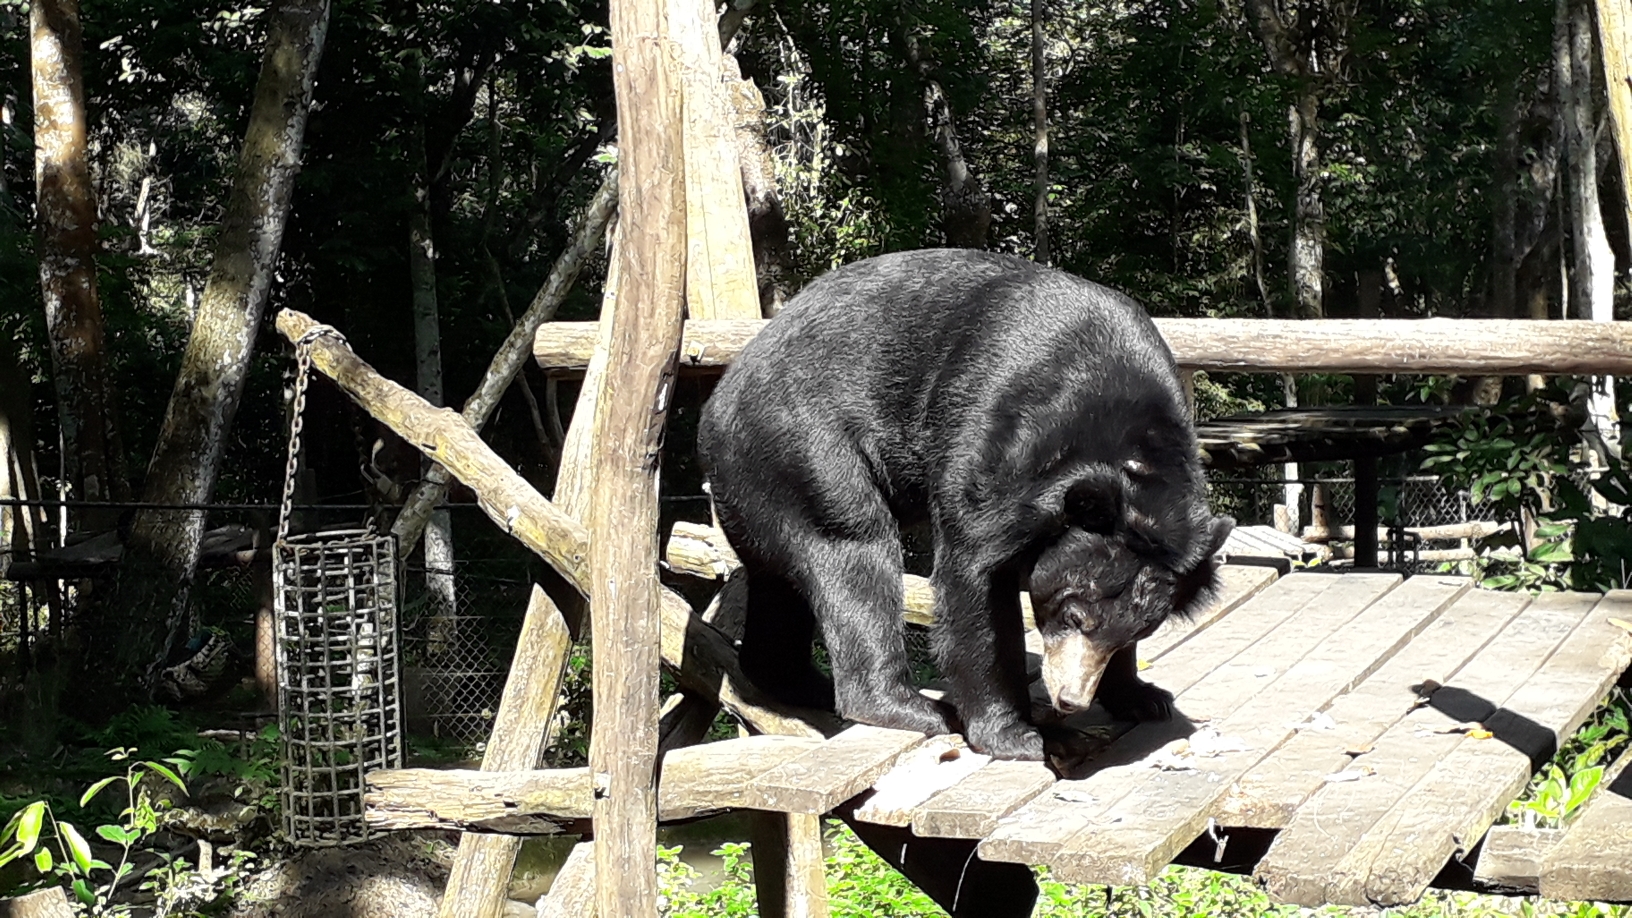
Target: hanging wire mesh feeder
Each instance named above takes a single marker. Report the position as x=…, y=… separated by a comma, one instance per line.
x=339, y=678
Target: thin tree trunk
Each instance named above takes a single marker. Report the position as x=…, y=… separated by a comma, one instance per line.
x=1251, y=191
x=966, y=207
x=1308, y=213
x=68, y=248
x=767, y=221
x=1593, y=284
x=439, y=584
x=1039, y=128
x=187, y=458
x=1504, y=229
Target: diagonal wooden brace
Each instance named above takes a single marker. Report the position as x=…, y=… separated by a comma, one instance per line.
x=702, y=659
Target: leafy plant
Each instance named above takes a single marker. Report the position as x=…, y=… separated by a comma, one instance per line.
x=94, y=881
x=1568, y=781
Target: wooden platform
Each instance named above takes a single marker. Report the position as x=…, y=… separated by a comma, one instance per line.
x=1380, y=725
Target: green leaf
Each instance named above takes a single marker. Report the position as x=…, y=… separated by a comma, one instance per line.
x=96, y=788
x=82, y=890
x=28, y=826
x=164, y=770
x=119, y=835
x=77, y=845
x=43, y=861
x=1551, y=553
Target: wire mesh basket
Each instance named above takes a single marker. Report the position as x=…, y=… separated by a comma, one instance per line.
x=339, y=678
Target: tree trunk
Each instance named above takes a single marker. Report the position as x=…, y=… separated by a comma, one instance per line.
x=966, y=208
x=68, y=247
x=1504, y=262
x=439, y=585
x=1039, y=128
x=1308, y=213
x=1592, y=292
x=767, y=221
x=187, y=458
x=1253, y=235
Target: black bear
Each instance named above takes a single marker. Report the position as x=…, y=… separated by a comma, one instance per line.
x=1034, y=420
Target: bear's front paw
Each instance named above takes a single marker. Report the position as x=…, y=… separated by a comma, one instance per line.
x=1008, y=740
x=1136, y=700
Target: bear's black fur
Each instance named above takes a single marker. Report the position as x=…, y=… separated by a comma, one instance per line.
x=1035, y=420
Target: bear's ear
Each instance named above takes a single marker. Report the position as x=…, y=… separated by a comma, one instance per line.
x=1094, y=501
x=1197, y=585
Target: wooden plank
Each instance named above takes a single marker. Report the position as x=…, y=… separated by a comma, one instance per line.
x=572, y=894
x=1237, y=584
x=1162, y=812
x=1480, y=347
x=1272, y=790
x=1036, y=832
x=483, y=863
x=51, y=902
x=789, y=877
x=1594, y=859
x=1452, y=807
x=1510, y=858
x=1322, y=842
x=693, y=781
x=972, y=807
x=939, y=763
x=832, y=773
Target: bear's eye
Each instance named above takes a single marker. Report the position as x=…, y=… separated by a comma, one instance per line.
x=1136, y=468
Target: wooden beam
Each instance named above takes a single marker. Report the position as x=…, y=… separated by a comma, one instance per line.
x=789, y=879
x=1594, y=860
x=1484, y=347
x=693, y=781
x=572, y=894
x=482, y=865
x=702, y=658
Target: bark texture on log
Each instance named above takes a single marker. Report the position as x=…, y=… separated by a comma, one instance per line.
x=1464, y=346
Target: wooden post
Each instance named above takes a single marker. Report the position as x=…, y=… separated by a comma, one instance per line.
x=482, y=866
x=572, y=895
x=789, y=879
x=1365, y=467
x=622, y=517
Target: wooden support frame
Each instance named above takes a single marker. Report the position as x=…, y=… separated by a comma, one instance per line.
x=1483, y=347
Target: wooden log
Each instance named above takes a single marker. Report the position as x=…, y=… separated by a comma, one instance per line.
x=720, y=281
x=1485, y=347
x=703, y=660
x=483, y=863
x=789, y=877
x=1237, y=584
x=44, y=903
x=1594, y=859
x=572, y=894
x=832, y=773
x=627, y=435
x=693, y=781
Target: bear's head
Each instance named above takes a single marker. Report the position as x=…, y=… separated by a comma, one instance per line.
x=1111, y=577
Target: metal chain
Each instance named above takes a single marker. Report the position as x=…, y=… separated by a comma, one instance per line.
x=303, y=373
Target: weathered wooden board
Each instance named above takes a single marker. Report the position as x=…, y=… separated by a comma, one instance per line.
x=693, y=781
x=972, y=807
x=1453, y=806
x=1273, y=789
x=1510, y=858
x=1594, y=859
x=1036, y=832
x=830, y=774
x=1162, y=811
x=1237, y=583
x=1313, y=857
x=939, y=763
